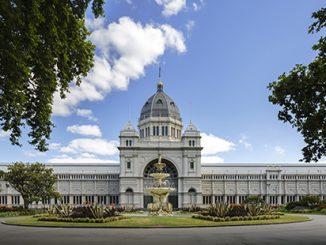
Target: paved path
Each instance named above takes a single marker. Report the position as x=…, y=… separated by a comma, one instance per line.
x=312, y=232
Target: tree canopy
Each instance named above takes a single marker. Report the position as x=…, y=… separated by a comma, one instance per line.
x=33, y=181
x=302, y=95
x=43, y=49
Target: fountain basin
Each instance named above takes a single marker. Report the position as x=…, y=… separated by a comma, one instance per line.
x=159, y=176
x=160, y=191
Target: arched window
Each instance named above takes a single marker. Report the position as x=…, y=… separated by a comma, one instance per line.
x=129, y=190
x=192, y=190
x=159, y=101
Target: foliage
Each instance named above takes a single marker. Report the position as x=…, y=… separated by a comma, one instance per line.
x=237, y=210
x=302, y=96
x=98, y=211
x=33, y=181
x=82, y=220
x=219, y=209
x=266, y=208
x=306, y=202
x=253, y=209
x=235, y=218
x=44, y=47
x=253, y=200
x=310, y=201
x=64, y=210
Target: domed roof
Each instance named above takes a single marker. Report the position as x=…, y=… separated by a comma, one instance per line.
x=160, y=105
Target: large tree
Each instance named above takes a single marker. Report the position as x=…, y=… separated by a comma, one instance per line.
x=43, y=48
x=33, y=181
x=302, y=95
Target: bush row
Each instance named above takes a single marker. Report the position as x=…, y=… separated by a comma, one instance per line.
x=235, y=218
x=81, y=220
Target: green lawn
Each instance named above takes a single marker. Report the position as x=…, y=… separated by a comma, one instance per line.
x=156, y=222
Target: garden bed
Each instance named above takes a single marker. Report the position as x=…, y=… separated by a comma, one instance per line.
x=155, y=222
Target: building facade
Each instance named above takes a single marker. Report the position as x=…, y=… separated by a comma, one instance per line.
x=160, y=132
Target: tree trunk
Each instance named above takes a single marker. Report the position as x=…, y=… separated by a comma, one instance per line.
x=26, y=203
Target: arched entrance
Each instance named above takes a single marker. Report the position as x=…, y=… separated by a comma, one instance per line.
x=172, y=180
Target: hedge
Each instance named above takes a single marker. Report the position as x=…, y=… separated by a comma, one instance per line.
x=235, y=218
x=81, y=220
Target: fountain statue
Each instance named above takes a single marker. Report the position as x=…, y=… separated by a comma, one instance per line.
x=160, y=191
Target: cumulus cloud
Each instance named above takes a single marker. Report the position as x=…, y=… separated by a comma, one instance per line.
x=211, y=159
x=171, y=7
x=196, y=6
x=212, y=145
x=117, y=61
x=87, y=113
x=100, y=147
x=89, y=130
x=279, y=150
x=243, y=141
x=4, y=134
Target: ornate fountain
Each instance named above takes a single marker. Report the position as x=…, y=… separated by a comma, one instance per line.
x=160, y=191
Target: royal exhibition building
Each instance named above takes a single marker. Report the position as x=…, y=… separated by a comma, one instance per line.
x=161, y=133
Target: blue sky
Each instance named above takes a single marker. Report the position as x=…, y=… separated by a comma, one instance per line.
x=217, y=59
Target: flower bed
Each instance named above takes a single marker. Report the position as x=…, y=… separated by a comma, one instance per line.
x=81, y=220
x=235, y=218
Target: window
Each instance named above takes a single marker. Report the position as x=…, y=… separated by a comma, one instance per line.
x=65, y=199
x=46, y=201
x=159, y=101
x=128, y=142
x=3, y=199
x=192, y=165
x=273, y=200
x=128, y=164
x=102, y=199
x=114, y=199
x=219, y=199
x=242, y=198
x=77, y=200
x=15, y=200
x=230, y=199
x=89, y=199
x=207, y=199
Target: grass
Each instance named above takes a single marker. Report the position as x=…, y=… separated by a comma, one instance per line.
x=156, y=222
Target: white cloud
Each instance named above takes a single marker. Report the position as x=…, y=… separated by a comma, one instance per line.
x=87, y=113
x=211, y=159
x=212, y=145
x=171, y=7
x=4, y=134
x=54, y=146
x=243, y=141
x=279, y=150
x=197, y=6
x=190, y=25
x=92, y=146
x=117, y=61
x=89, y=130
x=34, y=153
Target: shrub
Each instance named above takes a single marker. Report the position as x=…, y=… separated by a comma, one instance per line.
x=253, y=200
x=64, y=210
x=291, y=205
x=266, y=208
x=309, y=201
x=237, y=210
x=253, y=209
x=219, y=209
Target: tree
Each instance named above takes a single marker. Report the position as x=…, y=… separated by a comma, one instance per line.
x=302, y=96
x=44, y=48
x=33, y=181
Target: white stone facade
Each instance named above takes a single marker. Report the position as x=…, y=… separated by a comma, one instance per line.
x=160, y=131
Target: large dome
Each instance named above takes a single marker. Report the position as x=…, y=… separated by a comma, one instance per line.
x=160, y=105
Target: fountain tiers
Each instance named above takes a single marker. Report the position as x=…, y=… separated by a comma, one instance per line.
x=160, y=192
